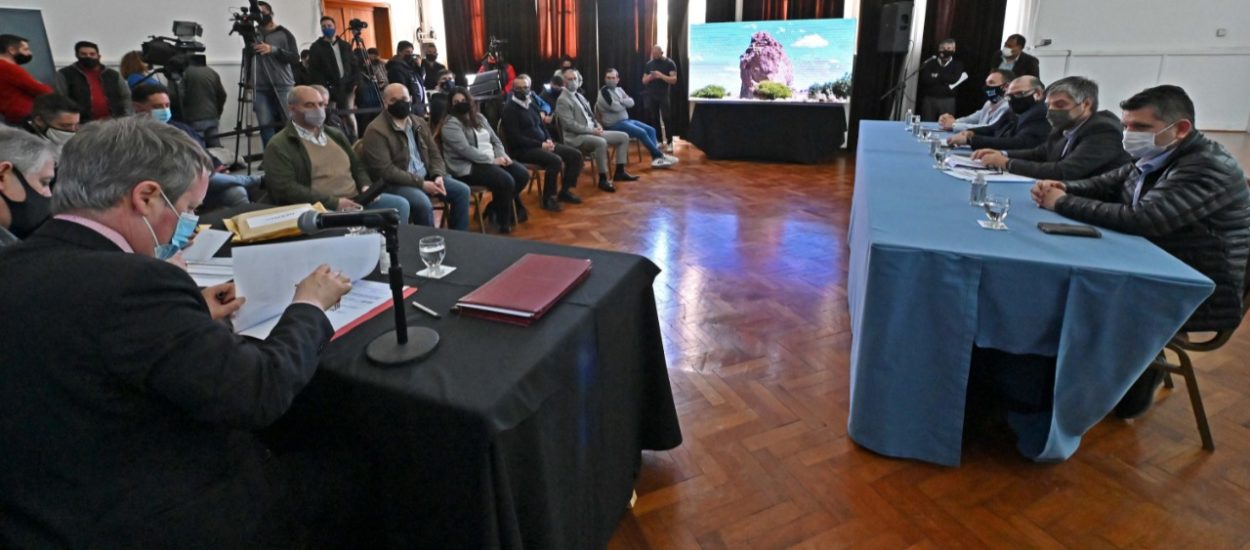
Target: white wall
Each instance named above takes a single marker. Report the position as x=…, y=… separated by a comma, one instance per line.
x=1128, y=45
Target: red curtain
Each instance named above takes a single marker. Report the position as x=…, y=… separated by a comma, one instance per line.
x=557, y=28
x=477, y=27
x=766, y=10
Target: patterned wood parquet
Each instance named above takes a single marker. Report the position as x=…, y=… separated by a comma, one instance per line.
x=753, y=308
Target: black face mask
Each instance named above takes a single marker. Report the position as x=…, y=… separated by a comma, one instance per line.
x=461, y=108
x=1021, y=104
x=30, y=213
x=446, y=86
x=399, y=109
x=945, y=54
x=993, y=93
x=88, y=62
x=406, y=57
x=431, y=56
x=521, y=95
x=22, y=59
x=266, y=19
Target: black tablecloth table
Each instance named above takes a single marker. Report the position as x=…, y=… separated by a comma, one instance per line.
x=506, y=436
x=807, y=133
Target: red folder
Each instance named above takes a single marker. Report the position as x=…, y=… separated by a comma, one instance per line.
x=525, y=291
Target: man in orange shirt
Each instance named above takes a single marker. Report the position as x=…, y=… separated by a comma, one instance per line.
x=18, y=89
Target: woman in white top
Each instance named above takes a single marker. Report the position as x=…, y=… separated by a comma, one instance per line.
x=476, y=156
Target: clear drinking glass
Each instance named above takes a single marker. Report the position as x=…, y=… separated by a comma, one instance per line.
x=907, y=121
x=996, y=208
x=978, y=188
x=939, y=158
x=354, y=230
x=926, y=134
x=432, y=251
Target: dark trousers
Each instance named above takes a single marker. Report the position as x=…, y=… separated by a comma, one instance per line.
x=565, y=160
x=658, y=112
x=504, y=182
x=933, y=107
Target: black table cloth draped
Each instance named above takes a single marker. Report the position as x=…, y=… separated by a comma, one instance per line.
x=506, y=436
x=807, y=133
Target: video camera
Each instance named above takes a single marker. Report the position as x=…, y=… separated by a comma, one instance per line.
x=357, y=25
x=174, y=54
x=246, y=23
x=493, y=50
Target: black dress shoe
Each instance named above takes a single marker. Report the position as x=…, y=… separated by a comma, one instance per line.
x=622, y=175
x=504, y=229
x=550, y=204
x=569, y=197
x=522, y=214
x=1140, y=395
x=606, y=185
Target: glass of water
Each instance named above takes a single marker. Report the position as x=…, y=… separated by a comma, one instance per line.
x=925, y=134
x=939, y=156
x=432, y=251
x=996, y=208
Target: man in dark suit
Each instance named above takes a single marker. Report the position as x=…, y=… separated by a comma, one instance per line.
x=1025, y=129
x=1083, y=141
x=939, y=77
x=1013, y=58
x=332, y=64
x=127, y=399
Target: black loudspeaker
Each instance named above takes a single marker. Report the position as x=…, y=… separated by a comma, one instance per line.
x=895, y=28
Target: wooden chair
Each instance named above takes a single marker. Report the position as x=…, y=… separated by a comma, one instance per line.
x=1181, y=345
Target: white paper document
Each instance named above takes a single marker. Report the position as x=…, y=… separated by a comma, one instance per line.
x=206, y=243
x=960, y=161
x=969, y=175
x=212, y=271
x=365, y=296
x=267, y=274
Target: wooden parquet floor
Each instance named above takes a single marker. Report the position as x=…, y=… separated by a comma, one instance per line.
x=753, y=307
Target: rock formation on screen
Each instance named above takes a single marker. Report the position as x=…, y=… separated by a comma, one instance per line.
x=765, y=59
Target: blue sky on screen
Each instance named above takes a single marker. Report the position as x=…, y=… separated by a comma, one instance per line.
x=820, y=49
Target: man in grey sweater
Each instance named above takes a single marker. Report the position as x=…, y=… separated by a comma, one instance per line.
x=580, y=129
x=274, y=53
x=613, y=106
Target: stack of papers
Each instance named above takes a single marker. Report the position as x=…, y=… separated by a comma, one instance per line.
x=210, y=272
x=965, y=163
x=969, y=175
x=365, y=301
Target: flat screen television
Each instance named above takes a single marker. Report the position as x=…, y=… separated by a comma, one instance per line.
x=801, y=60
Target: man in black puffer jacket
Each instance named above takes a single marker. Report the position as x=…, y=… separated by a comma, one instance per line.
x=1185, y=193
x=1084, y=141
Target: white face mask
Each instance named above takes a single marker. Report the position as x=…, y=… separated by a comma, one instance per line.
x=1006, y=52
x=58, y=137
x=1141, y=145
x=315, y=117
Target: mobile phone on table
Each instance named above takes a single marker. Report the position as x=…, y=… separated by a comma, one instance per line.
x=1070, y=229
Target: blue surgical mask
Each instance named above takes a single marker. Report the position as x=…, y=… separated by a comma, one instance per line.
x=162, y=115
x=328, y=32
x=187, y=223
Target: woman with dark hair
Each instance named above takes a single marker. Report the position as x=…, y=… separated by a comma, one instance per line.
x=476, y=156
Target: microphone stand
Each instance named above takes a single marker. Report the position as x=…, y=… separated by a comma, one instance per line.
x=898, y=88
x=404, y=344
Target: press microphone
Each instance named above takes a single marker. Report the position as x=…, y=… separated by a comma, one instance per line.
x=312, y=221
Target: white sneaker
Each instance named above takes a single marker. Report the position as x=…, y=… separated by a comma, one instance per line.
x=671, y=159
x=661, y=162
x=667, y=147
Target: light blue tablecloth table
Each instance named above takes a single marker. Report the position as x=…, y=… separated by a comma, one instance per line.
x=926, y=283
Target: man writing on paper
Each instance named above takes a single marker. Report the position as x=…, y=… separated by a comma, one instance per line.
x=307, y=162
x=1184, y=193
x=128, y=403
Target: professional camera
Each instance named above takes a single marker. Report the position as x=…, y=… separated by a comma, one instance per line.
x=492, y=48
x=357, y=25
x=246, y=23
x=174, y=54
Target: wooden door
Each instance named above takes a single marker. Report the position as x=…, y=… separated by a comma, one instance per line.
x=377, y=16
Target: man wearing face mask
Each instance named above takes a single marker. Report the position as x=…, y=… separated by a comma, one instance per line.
x=612, y=107
x=1027, y=127
x=939, y=76
x=140, y=403
x=307, y=162
x=332, y=64
x=26, y=170
x=405, y=69
x=445, y=83
x=1183, y=192
x=992, y=112
x=18, y=89
x=1012, y=57
x=273, y=55
x=430, y=65
x=525, y=133
x=1083, y=141
x=100, y=92
x=55, y=118
x=224, y=190
x=399, y=151
x=583, y=131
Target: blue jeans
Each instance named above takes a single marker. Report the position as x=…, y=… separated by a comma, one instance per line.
x=207, y=128
x=423, y=210
x=270, y=107
x=641, y=132
x=387, y=200
x=229, y=189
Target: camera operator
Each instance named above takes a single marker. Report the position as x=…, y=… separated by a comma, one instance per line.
x=404, y=69
x=276, y=51
x=430, y=64
x=495, y=62
x=332, y=64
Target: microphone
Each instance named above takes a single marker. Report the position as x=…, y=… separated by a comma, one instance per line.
x=312, y=221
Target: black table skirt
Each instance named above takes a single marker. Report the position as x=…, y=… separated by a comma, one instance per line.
x=506, y=436
x=768, y=131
